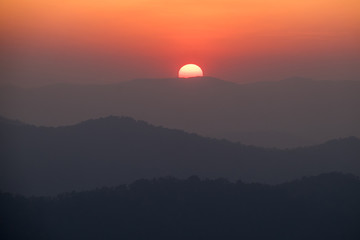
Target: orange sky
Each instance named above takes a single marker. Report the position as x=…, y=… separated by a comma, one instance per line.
x=248, y=40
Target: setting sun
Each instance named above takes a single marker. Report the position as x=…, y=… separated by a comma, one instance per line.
x=190, y=70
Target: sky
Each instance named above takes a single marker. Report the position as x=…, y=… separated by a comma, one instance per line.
x=106, y=41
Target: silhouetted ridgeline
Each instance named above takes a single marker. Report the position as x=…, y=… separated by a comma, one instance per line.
x=322, y=207
x=290, y=113
x=111, y=151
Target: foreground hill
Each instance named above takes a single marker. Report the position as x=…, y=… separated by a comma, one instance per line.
x=321, y=207
x=110, y=151
x=289, y=113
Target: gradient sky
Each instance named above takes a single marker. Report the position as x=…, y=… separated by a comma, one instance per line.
x=48, y=41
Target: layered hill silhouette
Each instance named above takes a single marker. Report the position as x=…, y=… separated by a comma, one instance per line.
x=110, y=151
x=321, y=207
x=289, y=113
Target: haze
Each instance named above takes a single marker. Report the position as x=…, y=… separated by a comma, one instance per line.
x=102, y=139
x=83, y=41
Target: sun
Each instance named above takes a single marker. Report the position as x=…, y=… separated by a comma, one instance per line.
x=190, y=70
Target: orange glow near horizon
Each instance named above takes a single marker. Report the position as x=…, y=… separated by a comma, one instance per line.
x=190, y=70
x=211, y=32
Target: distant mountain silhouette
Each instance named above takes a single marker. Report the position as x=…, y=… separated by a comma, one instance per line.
x=289, y=113
x=320, y=207
x=112, y=150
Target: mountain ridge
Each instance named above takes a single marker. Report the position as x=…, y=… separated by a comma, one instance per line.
x=191, y=208
x=126, y=119
x=110, y=151
x=270, y=114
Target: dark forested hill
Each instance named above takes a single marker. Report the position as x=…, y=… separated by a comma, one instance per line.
x=322, y=207
x=289, y=113
x=111, y=151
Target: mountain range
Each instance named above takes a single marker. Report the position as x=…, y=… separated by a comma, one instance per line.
x=112, y=150
x=290, y=113
x=319, y=207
